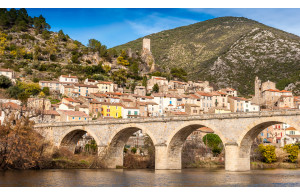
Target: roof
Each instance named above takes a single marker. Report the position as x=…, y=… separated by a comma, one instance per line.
x=86, y=85
x=99, y=95
x=290, y=128
x=285, y=91
x=160, y=78
x=112, y=104
x=136, y=108
x=68, y=105
x=294, y=136
x=104, y=82
x=239, y=98
x=69, y=76
x=11, y=105
x=126, y=100
x=273, y=90
x=204, y=94
x=51, y=112
x=205, y=130
x=75, y=113
x=6, y=70
x=71, y=99
x=114, y=93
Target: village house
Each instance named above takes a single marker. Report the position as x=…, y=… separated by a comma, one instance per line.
x=85, y=89
x=68, y=78
x=105, y=87
x=69, y=100
x=193, y=109
x=47, y=116
x=112, y=110
x=66, y=106
x=90, y=82
x=100, y=97
x=206, y=100
x=83, y=108
x=68, y=116
x=130, y=112
x=140, y=90
x=39, y=103
x=8, y=73
x=229, y=91
x=160, y=81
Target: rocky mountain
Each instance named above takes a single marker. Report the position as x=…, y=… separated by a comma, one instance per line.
x=228, y=51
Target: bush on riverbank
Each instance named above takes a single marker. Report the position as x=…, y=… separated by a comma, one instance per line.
x=268, y=153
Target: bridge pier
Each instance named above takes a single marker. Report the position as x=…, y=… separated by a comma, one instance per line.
x=233, y=161
x=163, y=160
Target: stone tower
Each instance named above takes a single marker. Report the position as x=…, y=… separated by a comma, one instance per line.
x=146, y=44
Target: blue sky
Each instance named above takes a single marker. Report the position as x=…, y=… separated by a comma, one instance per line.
x=117, y=26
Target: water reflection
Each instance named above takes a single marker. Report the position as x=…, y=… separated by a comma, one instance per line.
x=150, y=178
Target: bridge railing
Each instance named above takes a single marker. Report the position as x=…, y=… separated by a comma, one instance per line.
x=180, y=118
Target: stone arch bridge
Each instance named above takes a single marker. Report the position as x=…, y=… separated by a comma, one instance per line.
x=237, y=131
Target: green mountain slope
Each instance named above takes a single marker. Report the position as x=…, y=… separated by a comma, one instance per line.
x=228, y=51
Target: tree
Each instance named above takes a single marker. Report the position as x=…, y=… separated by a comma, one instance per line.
x=120, y=77
x=62, y=36
x=5, y=82
x=155, y=88
x=40, y=24
x=21, y=147
x=214, y=142
x=268, y=153
x=46, y=91
x=96, y=46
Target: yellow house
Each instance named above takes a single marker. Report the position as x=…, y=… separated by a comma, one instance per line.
x=112, y=110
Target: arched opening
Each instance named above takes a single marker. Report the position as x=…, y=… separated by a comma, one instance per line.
x=271, y=132
x=79, y=141
x=188, y=149
x=131, y=148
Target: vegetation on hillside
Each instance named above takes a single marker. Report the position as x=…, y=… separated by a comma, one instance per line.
x=227, y=51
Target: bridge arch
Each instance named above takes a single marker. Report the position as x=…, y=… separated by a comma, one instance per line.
x=251, y=131
x=71, y=137
x=117, y=141
x=178, y=137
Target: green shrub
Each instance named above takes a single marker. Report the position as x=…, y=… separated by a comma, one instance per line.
x=125, y=150
x=293, y=151
x=268, y=153
x=133, y=150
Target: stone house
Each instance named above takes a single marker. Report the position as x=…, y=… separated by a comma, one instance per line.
x=161, y=81
x=69, y=100
x=39, y=103
x=193, y=109
x=140, y=90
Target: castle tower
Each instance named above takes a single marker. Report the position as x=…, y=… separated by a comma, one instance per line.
x=146, y=44
x=257, y=84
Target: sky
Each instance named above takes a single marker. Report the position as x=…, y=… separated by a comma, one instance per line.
x=116, y=26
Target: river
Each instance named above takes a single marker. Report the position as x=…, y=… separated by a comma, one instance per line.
x=149, y=178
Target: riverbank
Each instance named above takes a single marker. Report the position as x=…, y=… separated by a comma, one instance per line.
x=275, y=165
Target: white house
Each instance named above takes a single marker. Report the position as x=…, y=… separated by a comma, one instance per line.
x=8, y=73
x=130, y=112
x=68, y=78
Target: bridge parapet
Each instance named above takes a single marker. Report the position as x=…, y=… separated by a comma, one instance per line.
x=175, y=118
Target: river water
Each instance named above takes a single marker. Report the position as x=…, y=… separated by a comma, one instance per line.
x=149, y=178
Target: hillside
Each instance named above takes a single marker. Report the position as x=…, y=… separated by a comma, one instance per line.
x=228, y=51
x=35, y=53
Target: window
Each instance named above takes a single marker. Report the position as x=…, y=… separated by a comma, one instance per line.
x=84, y=118
x=262, y=134
x=116, y=114
x=135, y=112
x=73, y=118
x=129, y=112
x=107, y=114
x=79, y=118
x=108, y=110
